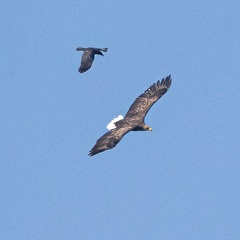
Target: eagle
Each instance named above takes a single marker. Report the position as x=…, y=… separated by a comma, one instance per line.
x=88, y=57
x=134, y=119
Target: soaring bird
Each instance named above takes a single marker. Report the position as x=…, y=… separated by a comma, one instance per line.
x=134, y=119
x=88, y=57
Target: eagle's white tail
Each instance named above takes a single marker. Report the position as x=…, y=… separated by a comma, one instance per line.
x=112, y=125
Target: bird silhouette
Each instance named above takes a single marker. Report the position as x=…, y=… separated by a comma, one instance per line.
x=88, y=57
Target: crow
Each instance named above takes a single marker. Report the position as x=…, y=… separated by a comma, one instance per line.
x=88, y=57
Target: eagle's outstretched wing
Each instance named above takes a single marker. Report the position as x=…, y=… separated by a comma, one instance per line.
x=110, y=139
x=142, y=104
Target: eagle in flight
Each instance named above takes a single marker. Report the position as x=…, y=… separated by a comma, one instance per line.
x=88, y=57
x=134, y=119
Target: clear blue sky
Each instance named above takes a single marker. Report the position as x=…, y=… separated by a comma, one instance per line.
x=180, y=181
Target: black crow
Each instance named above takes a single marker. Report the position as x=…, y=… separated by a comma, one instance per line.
x=88, y=57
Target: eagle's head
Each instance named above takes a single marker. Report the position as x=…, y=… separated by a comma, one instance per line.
x=142, y=127
x=147, y=128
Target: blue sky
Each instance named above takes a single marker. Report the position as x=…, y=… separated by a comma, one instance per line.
x=180, y=181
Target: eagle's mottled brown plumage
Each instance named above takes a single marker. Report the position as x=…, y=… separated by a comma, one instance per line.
x=88, y=57
x=134, y=119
